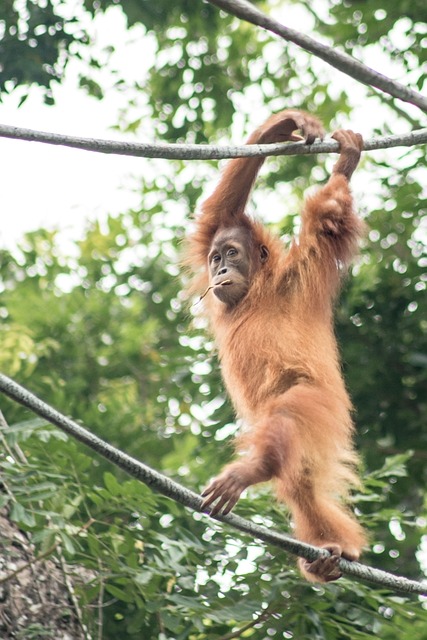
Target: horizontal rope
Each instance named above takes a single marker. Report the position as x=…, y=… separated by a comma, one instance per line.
x=177, y=492
x=204, y=151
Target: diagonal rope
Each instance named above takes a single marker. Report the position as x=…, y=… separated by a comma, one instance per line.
x=342, y=61
x=178, y=151
x=177, y=492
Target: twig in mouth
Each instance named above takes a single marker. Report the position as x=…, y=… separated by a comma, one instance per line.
x=212, y=286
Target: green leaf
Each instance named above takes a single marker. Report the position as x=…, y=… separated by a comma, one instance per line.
x=22, y=516
x=118, y=593
x=111, y=483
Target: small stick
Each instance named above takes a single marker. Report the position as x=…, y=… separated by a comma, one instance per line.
x=212, y=287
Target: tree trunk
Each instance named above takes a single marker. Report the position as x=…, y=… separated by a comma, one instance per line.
x=37, y=601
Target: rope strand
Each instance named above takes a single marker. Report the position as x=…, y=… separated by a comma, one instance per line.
x=203, y=151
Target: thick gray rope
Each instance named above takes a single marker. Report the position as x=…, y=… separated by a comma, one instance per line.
x=204, y=151
x=342, y=61
x=171, y=489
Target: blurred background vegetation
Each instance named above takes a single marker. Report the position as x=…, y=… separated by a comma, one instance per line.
x=102, y=332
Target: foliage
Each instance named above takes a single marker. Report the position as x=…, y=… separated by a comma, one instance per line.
x=33, y=41
x=154, y=565
x=365, y=23
x=103, y=333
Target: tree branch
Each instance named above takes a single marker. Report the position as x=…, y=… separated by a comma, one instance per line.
x=177, y=492
x=261, y=617
x=206, y=151
x=341, y=61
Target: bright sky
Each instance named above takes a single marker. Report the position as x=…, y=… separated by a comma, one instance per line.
x=52, y=186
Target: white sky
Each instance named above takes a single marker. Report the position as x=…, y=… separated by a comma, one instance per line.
x=52, y=186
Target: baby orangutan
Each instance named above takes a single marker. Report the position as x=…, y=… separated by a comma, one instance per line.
x=270, y=310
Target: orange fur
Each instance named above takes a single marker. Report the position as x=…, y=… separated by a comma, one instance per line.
x=278, y=351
